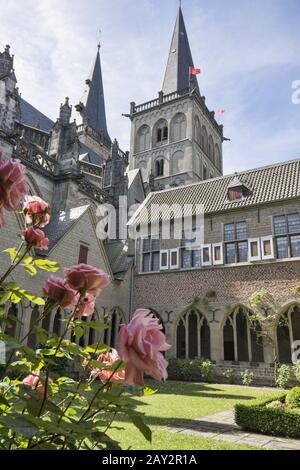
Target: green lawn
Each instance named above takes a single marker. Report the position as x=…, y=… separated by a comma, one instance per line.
x=176, y=402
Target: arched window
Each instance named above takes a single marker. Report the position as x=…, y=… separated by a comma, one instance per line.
x=57, y=322
x=211, y=149
x=178, y=162
x=11, y=321
x=193, y=336
x=197, y=131
x=159, y=167
x=288, y=331
x=178, y=127
x=143, y=139
x=240, y=342
x=160, y=133
x=204, y=140
x=32, y=339
x=111, y=333
x=218, y=162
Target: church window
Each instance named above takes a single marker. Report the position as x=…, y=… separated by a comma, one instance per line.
x=211, y=151
x=178, y=127
x=204, y=172
x=218, y=161
x=287, y=235
x=143, y=139
x=178, y=162
x=197, y=131
x=159, y=167
x=204, y=140
x=160, y=133
x=111, y=333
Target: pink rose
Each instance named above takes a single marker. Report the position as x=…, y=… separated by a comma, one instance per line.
x=37, y=211
x=86, y=306
x=33, y=381
x=13, y=185
x=36, y=238
x=108, y=359
x=87, y=278
x=56, y=289
x=140, y=345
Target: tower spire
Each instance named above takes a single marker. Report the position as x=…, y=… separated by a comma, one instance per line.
x=92, y=104
x=177, y=74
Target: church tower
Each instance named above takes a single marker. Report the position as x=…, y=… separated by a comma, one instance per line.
x=9, y=93
x=91, y=115
x=175, y=139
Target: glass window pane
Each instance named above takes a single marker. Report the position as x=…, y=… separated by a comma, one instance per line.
x=146, y=244
x=229, y=232
x=196, y=258
x=146, y=263
x=282, y=247
x=174, y=256
x=241, y=230
x=164, y=260
x=155, y=244
x=279, y=225
x=186, y=258
x=294, y=223
x=295, y=244
x=206, y=257
x=243, y=252
x=155, y=261
x=254, y=249
x=230, y=253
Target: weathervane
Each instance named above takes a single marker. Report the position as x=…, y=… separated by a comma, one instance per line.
x=99, y=39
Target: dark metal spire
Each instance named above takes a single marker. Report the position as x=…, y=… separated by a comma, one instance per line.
x=92, y=103
x=177, y=75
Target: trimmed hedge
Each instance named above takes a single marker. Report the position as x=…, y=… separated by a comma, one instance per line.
x=275, y=422
x=191, y=370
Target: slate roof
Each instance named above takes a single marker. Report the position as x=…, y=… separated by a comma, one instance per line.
x=89, y=155
x=267, y=184
x=30, y=116
x=59, y=224
x=93, y=99
x=132, y=174
x=180, y=59
x=117, y=253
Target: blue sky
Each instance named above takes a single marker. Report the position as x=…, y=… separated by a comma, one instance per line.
x=249, y=51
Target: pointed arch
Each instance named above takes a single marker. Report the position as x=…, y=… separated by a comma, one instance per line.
x=218, y=159
x=239, y=341
x=160, y=133
x=204, y=140
x=143, y=139
x=288, y=331
x=178, y=127
x=192, y=335
x=211, y=149
x=197, y=130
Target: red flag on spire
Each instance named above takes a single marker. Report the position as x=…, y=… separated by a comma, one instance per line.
x=194, y=71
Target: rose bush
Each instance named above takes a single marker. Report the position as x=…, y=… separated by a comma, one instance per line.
x=41, y=408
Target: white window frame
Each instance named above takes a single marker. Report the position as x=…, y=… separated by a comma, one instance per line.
x=254, y=258
x=206, y=263
x=164, y=268
x=221, y=261
x=267, y=239
x=174, y=266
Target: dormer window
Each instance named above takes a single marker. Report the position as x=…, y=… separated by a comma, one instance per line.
x=236, y=190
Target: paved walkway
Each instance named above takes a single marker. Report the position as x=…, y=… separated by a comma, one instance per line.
x=221, y=427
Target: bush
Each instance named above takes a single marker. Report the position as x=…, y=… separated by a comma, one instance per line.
x=284, y=376
x=247, y=377
x=191, y=369
x=293, y=397
x=257, y=416
x=230, y=375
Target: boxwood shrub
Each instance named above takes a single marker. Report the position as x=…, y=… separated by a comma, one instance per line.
x=256, y=417
x=191, y=369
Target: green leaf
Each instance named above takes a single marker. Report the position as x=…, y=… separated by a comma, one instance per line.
x=12, y=253
x=4, y=297
x=32, y=297
x=3, y=401
x=141, y=426
x=47, y=265
x=30, y=269
x=20, y=425
x=148, y=391
x=15, y=298
x=97, y=348
x=96, y=325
